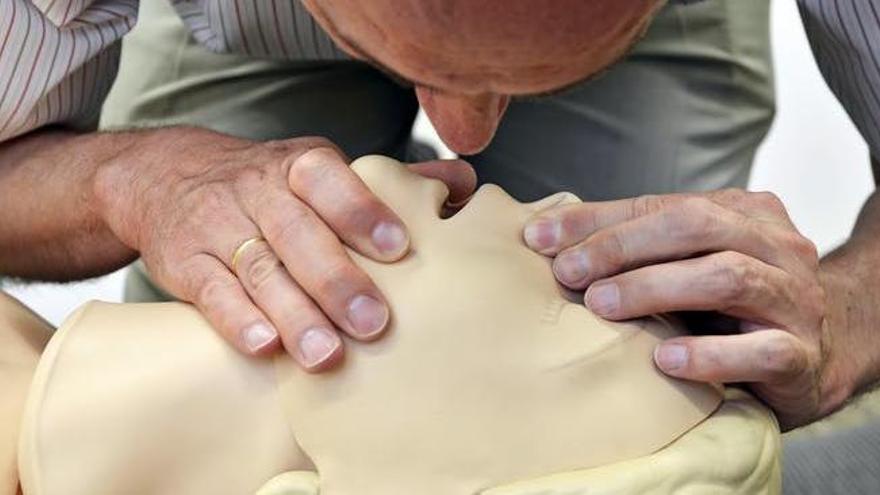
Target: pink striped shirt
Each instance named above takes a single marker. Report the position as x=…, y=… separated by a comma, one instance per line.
x=58, y=58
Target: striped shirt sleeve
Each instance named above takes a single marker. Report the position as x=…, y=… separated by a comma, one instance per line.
x=280, y=29
x=845, y=37
x=58, y=59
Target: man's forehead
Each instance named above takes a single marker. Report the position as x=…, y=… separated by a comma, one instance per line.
x=510, y=47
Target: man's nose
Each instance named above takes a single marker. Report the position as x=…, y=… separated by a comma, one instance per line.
x=466, y=123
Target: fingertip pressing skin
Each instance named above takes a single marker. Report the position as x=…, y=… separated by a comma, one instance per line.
x=572, y=268
x=259, y=338
x=543, y=232
x=670, y=357
x=319, y=349
x=391, y=240
x=369, y=316
x=603, y=298
x=543, y=235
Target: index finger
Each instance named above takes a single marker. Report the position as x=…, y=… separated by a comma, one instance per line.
x=553, y=229
x=322, y=179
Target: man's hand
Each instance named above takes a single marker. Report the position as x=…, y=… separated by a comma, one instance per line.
x=190, y=201
x=732, y=252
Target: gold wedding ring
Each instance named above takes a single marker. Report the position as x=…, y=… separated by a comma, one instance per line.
x=241, y=249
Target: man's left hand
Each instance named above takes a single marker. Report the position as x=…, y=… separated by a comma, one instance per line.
x=732, y=252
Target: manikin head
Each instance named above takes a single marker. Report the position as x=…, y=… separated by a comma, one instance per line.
x=489, y=381
x=466, y=58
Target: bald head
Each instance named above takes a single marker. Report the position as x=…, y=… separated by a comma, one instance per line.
x=467, y=57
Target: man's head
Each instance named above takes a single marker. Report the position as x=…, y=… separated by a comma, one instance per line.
x=467, y=57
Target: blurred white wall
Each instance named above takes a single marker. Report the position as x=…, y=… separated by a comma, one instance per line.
x=813, y=159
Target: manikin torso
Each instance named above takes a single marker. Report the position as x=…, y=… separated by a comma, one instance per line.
x=489, y=374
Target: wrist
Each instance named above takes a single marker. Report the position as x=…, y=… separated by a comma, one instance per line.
x=850, y=350
x=55, y=232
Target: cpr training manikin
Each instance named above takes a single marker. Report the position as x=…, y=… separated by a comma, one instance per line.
x=491, y=380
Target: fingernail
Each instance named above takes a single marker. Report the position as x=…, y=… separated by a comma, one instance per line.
x=389, y=238
x=571, y=267
x=542, y=234
x=604, y=298
x=670, y=357
x=258, y=336
x=367, y=315
x=316, y=345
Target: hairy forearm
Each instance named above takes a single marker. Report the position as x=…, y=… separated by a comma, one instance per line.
x=51, y=227
x=851, y=276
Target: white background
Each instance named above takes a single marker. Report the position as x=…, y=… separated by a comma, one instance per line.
x=813, y=159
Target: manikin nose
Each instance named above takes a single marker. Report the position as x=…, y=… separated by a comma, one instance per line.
x=466, y=123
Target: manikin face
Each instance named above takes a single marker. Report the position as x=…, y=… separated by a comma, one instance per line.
x=488, y=372
x=466, y=58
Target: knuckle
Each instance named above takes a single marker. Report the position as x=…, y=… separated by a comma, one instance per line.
x=779, y=358
x=736, y=193
x=735, y=277
x=575, y=220
x=803, y=248
x=608, y=250
x=312, y=142
x=212, y=293
x=767, y=200
x=311, y=167
x=284, y=229
x=712, y=358
x=731, y=195
x=695, y=202
x=259, y=267
x=707, y=360
x=361, y=211
x=693, y=220
x=648, y=203
x=292, y=145
x=813, y=300
x=251, y=178
x=186, y=279
x=211, y=205
x=338, y=280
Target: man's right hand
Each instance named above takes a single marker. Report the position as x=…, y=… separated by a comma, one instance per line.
x=188, y=202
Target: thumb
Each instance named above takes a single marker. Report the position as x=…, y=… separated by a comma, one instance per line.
x=765, y=356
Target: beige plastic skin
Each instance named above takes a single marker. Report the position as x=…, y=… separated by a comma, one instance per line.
x=146, y=399
x=23, y=335
x=488, y=375
x=734, y=452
